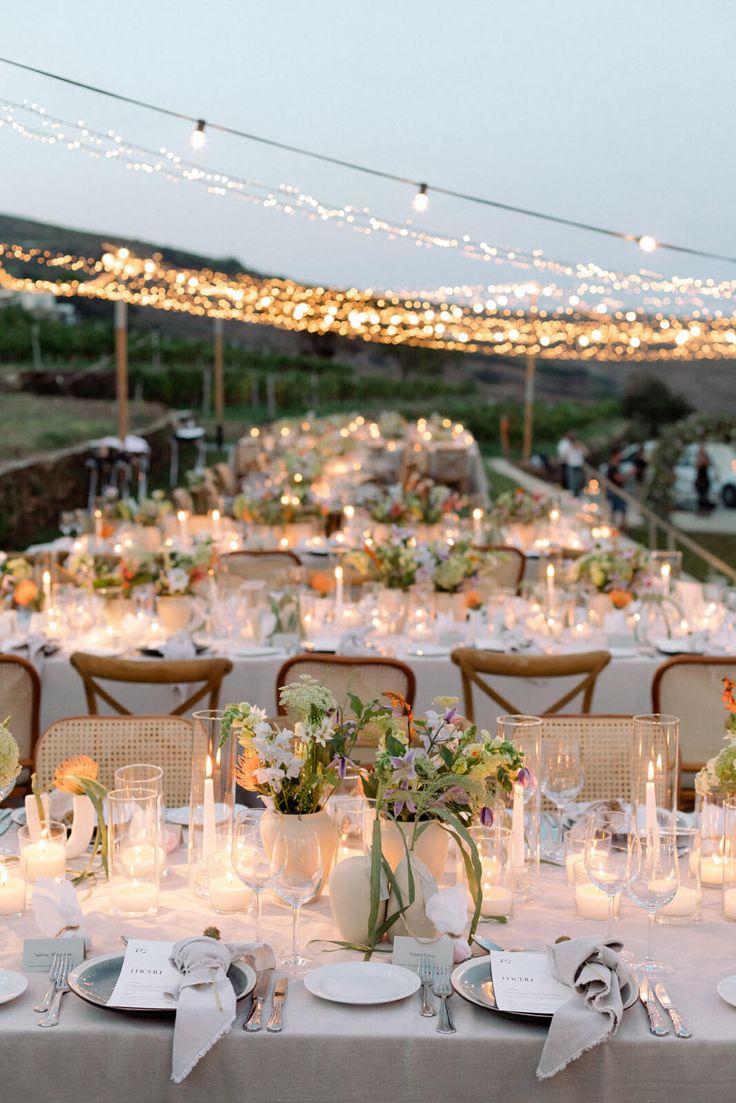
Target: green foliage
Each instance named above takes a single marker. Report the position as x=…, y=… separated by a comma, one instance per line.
x=650, y=404
x=672, y=442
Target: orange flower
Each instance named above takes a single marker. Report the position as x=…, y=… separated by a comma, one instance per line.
x=67, y=773
x=25, y=592
x=620, y=598
x=472, y=600
x=322, y=582
x=245, y=772
x=728, y=698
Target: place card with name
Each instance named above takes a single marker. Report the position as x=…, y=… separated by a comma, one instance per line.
x=146, y=977
x=408, y=951
x=523, y=981
x=38, y=953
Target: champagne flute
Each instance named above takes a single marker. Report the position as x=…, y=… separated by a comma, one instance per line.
x=607, y=856
x=561, y=779
x=296, y=870
x=654, y=880
x=250, y=860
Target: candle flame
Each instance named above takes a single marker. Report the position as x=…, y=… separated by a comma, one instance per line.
x=477, y=514
x=338, y=574
x=666, y=570
x=181, y=515
x=208, y=768
x=47, y=578
x=659, y=762
x=217, y=757
x=650, y=771
x=550, y=571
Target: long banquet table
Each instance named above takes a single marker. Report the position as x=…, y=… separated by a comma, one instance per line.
x=341, y=1054
x=253, y=679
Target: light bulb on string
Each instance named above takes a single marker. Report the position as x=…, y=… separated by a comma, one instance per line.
x=421, y=199
x=647, y=243
x=198, y=138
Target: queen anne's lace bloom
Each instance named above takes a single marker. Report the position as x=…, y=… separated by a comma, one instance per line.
x=9, y=756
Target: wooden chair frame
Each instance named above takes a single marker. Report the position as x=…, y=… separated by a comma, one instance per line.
x=284, y=674
x=32, y=673
x=515, y=553
x=473, y=663
x=686, y=660
x=181, y=672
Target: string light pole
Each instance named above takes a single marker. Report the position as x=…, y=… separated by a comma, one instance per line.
x=531, y=371
x=219, y=387
x=121, y=368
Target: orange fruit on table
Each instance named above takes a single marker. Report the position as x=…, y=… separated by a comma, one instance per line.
x=322, y=582
x=620, y=598
x=25, y=592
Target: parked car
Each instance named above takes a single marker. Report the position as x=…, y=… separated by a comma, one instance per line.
x=722, y=474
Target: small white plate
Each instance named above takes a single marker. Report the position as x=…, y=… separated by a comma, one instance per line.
x=681, y=646
x=361, y=982
x=103, y=652
x=624, y=652
x=180, y=816
x=428, y=651
x=255, y=652
x=726, y=989
x=11, y=985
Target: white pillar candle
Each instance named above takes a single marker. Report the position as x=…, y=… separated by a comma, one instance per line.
x=12, y=893
x=592, y=903
x=44, y=858
x=550, y=580
x=98, y=526
x=666, y=571
x=46, y=586
x=228, y=893
x=711, y=870
x=497, y=901
x=729, y=904
x=684, y=903
x=181, y=517
x=209, y=822
x=478, y=526
x=517, y=827
x=572, y=860
x=339, y=592
x=139, y=860
x=33, y=820
x=651, y=802
x=133, y=897
x=216, y=517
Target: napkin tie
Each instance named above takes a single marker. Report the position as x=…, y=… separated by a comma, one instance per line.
x=205, y=998
x=593, y=1013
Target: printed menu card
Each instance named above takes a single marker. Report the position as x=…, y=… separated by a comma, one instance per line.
x=146, y=976
x=523, y=981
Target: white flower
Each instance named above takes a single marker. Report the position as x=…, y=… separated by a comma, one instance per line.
x=177, y=580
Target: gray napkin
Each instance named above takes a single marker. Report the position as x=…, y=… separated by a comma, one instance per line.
x=178, y=647
x=592, y=1014
x=354, y=642
x=205, y=997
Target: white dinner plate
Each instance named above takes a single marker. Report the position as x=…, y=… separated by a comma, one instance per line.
x=428, y=651
x=727, y=989
x=180, y=816
x=103, y=652
x=362, y=982
x=681, y=646
x=624, y=652
x=11, y=985
x=255, y=652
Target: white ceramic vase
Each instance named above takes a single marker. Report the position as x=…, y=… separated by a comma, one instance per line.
x=83, y=826
x=174, y=611
x=430, y=845
x=314, y=823
x=413, y=921
x=350, y=899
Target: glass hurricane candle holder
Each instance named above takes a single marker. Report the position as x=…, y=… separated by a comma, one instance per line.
x=525, y=801
x=685, y=907
x=654, y=767
x=495, y=852
x=666, y=568
x=143, y=775
x=592, y=902
x=212, y=794
x=133, y=841
x=226, y=889
x=729, y=859
x=44, y=856
x=12, y=886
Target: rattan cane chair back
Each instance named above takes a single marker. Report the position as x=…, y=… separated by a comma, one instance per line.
x=114, y=741
x=606, y=744
x=206, y=674
x=474, y=665
x=503, y=569
x=271, y=567
x=20, y=700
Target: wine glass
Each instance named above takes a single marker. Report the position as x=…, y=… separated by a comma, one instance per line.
x=561, y=780
x=250, y=860
x=296, y=871
x=654, y=880
x=607, y=856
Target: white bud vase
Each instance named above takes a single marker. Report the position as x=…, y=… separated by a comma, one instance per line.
x=83, y=826
x=430, y=845
x=350, y=899
x=414, y=920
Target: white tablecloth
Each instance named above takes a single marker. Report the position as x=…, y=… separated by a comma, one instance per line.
x=332, y=1053
x=623, y=687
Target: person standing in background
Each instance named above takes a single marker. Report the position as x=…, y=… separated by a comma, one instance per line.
x=615, y=475
x=575, y=458
x=562, y=448
x=702, y=481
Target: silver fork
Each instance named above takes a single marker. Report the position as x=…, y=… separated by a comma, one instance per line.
x=426, y=976
x=43, y=1004
x=51, y=1018
x=443, y=991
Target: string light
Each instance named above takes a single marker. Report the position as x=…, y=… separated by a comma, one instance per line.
x=647, y=243
x=150, y=281
x=590, y=282
x=198, y=138
x=420, y=202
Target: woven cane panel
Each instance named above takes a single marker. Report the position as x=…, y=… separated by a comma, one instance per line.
x=114, y=741
x=270, y=567
x=16, y=702
x=606, y=744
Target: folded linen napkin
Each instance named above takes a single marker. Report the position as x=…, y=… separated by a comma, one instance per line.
x=597, y=974
x=205, y=997
x=57, y=912
x=179, y=646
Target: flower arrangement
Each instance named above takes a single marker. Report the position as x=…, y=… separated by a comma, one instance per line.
x=394, y=563
x=9, y=756
x=274, y=503
x=297, y=767
x=449, y=567
x=618, y=571
x=95, y=571
x=148, y=512
x=519, y=507
x=418, y=501
x=718, y=776
x=173, y=572
x=17, y=586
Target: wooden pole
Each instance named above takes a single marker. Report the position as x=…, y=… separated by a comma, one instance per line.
x=121, y=367
x=531, y=370
x=219, y=387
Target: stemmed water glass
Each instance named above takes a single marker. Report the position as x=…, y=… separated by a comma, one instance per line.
x=653, y=882
x=296, y=871
x=607, y=856
x=561, y=779
x=249, y=858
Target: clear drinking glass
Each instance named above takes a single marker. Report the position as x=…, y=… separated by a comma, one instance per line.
x=653, y=882
x=250, y=860
x=561, y=779
x=296, y=871
x=607, y=856
x=133, y=843
x=146, y=775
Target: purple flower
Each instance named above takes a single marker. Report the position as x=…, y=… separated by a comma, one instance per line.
x=404, y=766
x=457, y=795
x=451, y=715
x=402, y=800
x=524, y=778
x=486, y=816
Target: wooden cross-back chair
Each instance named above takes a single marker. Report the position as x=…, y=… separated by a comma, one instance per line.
x=505, y=567
x=20, y=700
x=205, y=673
x=260, y=565
x=606, y=746
x=475, y=664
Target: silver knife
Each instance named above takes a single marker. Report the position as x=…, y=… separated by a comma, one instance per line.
x=279, y=999
x=657, y=1025
x=255, y=1019
x=682, y=1030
